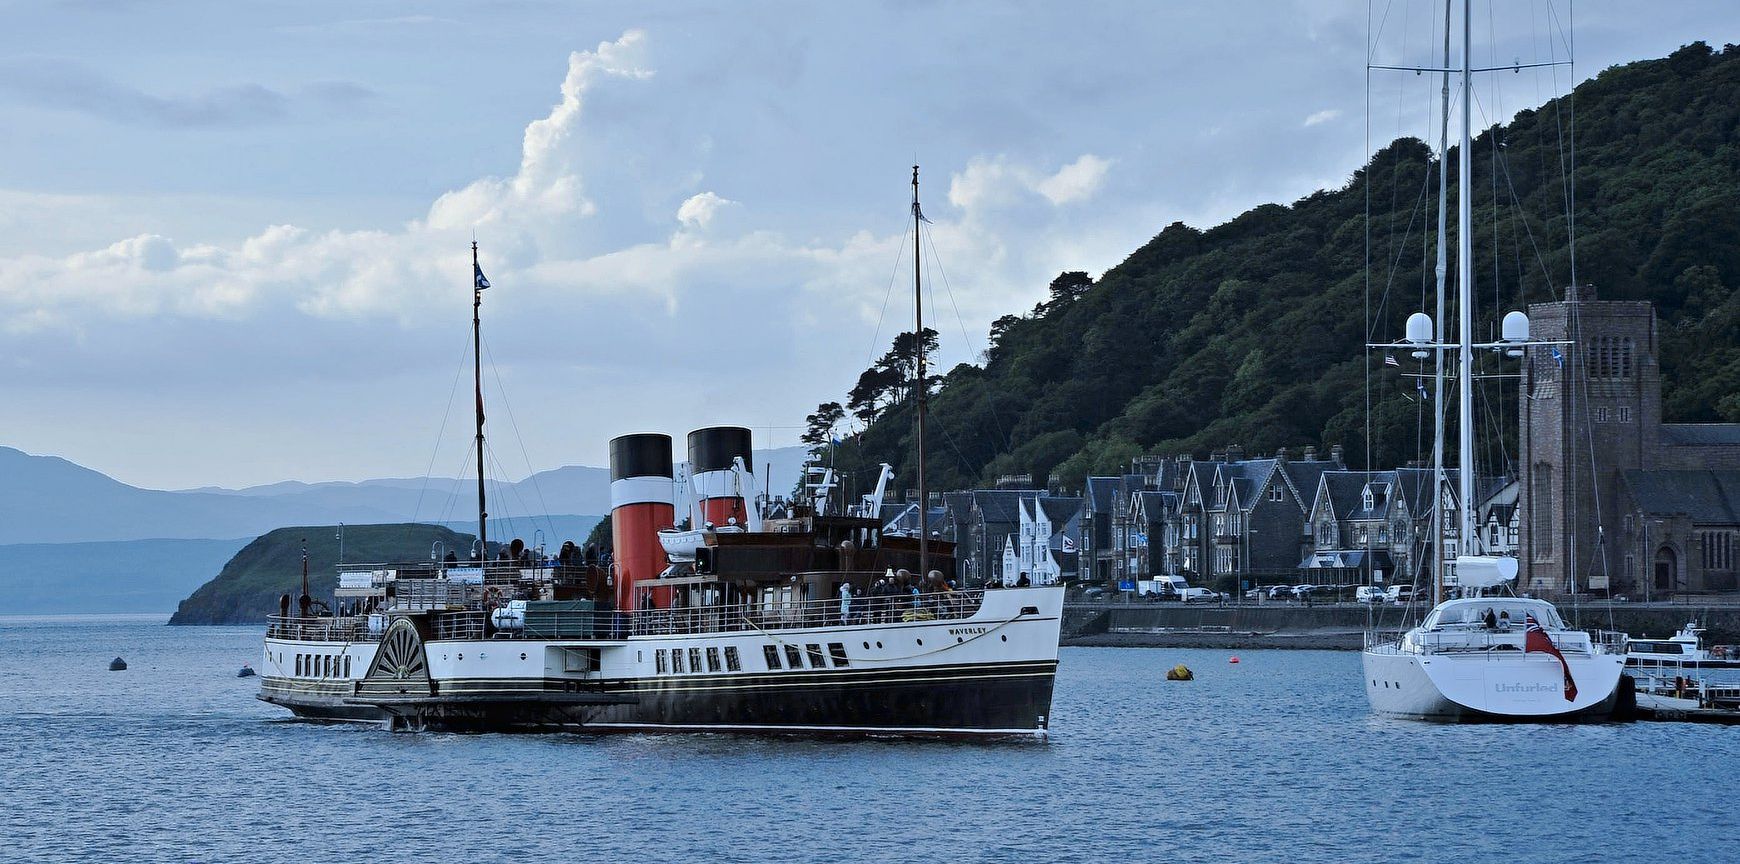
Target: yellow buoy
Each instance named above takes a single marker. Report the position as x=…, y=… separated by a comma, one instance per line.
x=1180, y=672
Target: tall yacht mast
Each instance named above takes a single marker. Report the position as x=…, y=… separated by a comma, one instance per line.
x=923, y=396
x=1465, y=302
x=478, y=283
x=1438, y=356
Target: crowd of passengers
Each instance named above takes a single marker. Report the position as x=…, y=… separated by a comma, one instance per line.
x=900, y=596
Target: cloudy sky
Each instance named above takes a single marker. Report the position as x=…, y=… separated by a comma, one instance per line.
x=234, y=236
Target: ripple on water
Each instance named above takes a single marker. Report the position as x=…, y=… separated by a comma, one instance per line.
x=1275, y=759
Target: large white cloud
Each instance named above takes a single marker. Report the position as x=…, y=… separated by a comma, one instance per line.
x=302, y=308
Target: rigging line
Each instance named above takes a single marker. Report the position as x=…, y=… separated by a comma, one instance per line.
x=1371, y=39
x=1366, y=355
x=1510, y=185
x=458, y=478
x=1389, y=280
x=1559, y=124
x=501, y=390
x=1570, y=30
x=430, y=468
x=936, y=259
x=519, y=498
x=899, y=256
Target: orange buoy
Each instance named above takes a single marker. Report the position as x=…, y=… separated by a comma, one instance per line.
x=1235, y=659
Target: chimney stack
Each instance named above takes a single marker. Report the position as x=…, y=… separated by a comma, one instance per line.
x=640, y=505
x=712, y=454
x=1235, y=453
x=1335, y=454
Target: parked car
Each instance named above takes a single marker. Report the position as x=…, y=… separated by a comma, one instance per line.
x=1370, y=594
x=1198, y=595
x=1304, y=591
x=1400, y=593
x=1280, y=592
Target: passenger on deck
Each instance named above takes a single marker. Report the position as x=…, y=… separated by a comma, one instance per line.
x=1024, y=582
x=846, y=604
x=1489, y=619
x=1504, y=620
x=451, y=558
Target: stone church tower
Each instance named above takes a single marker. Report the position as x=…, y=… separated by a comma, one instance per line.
x=1597, y=460
x=1588, y=415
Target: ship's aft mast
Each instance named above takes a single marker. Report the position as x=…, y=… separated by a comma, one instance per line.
x=478, y=283
x=923, y=396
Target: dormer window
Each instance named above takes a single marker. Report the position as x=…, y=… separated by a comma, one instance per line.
x=1367, y=498
x=1220, y=495
x=1277, y=494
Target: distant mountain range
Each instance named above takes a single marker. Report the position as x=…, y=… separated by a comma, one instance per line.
x=51, y=500
x=76, y=540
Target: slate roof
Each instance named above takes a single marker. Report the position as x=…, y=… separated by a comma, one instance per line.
x=1708, y=497
x=1001, y=505
x=1306, y=474
x=1700, y=433
x=1155, y=505
x=1060, y=510
x=1101, y=493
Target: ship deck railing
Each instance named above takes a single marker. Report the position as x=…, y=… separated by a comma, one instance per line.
x=740, y=617
x=1476, y=640
x=345, y=628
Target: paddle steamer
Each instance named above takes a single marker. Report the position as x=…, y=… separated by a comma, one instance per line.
x=746, y=619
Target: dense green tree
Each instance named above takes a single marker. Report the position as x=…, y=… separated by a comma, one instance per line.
x=1253, y=332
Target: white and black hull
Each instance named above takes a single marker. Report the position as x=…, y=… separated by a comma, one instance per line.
x=990, y=674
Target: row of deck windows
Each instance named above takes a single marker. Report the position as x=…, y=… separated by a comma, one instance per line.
x=672, y=661
x=794, y=659
x=322, y=666
x=684, y=661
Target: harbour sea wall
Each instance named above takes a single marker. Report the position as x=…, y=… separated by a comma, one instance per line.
x=1339, y=626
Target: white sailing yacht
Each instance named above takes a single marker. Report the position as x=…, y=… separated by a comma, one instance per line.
x=1476, y=658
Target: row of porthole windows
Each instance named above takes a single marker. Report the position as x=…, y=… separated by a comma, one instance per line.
x=1374, y=684
x=679, y=661
x=322, y=666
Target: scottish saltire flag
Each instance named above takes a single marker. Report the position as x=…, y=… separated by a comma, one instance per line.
x=920, y=214
x=1557, y=357
x=1390, y=360
x=479, y=280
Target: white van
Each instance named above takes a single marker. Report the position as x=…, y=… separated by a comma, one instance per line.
x=1400, y=593
x=1370, y=594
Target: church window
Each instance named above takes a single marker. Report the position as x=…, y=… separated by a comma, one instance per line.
x=1625, y=357
x=1718, y=550
x=1541, y=513
x=1601, y=414
x=1625, y=414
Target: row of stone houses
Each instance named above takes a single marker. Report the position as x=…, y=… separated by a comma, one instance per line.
x=1609, y=497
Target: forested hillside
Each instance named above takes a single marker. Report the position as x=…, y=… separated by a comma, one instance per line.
x=249, y=586
x=1252, y=332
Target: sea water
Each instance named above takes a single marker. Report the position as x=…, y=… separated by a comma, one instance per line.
x=1273, y=759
